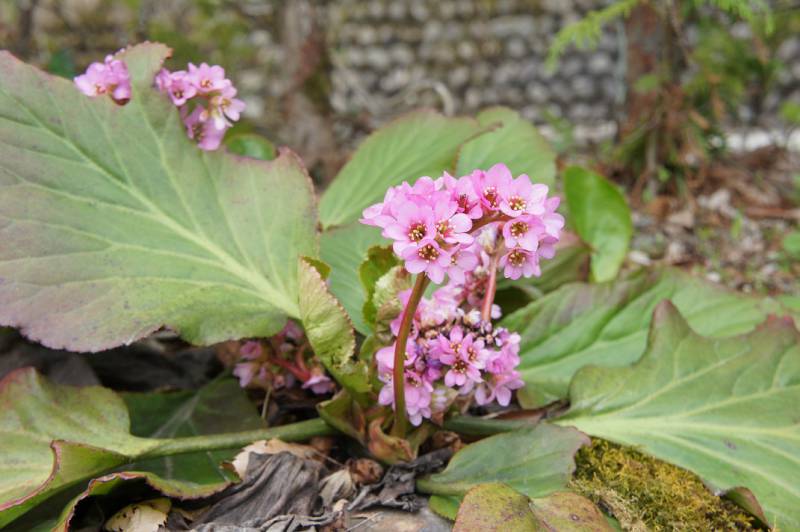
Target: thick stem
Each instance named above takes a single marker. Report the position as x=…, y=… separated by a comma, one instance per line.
x=491, y=288
x=398, y=375
x=299, y=431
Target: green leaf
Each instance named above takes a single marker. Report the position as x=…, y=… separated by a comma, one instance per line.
x=422, y=143
x=52, y=437
x=600, y=215
x=565, y=510
x=495, y=507
x=498, y=507
x=445, y=505
x=330, y=331
x=116, y=224
x=219, y=406
x=377, y=264
x=535, y=462
x=115, y=484
x=514, y=141
x=251, y=145
x=345, y=249
x=725, y=409
x=606, y=324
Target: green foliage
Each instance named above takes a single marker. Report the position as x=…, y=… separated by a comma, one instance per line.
x=53, y=437
x=586, y=32
x=121, y=225
x=606, y=324
x=644, y=493
x=722, y=408
x=251, y=145
x=345, y=249
x=494, y=507
x=422, y=143
x=535, y=462
x=514, y=142
x=330, y=331
x=601, y=217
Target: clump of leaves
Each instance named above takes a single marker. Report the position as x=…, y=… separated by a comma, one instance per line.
x=644, y=493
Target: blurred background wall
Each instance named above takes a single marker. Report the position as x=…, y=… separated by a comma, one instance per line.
x=335, y=68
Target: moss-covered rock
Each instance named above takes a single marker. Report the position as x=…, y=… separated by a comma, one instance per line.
x=644, y=493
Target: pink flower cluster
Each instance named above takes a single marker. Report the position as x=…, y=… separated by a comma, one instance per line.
x=206, y=99
x=109, y=77
x=451, y=353
x=280, y=362
x=434, y=222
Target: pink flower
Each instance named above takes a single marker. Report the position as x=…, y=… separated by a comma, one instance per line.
x=318, y=382
x=451, y=227
x=414, y=223
x=462, y=191
x=520, y=196
x=109, y=77
x=207, y=79
x=523, y=231
x=462, y=260
x=489, y=185
x=178, y=85
x=499, y=388
x=202, y=129
x=429, y=257
x=519, y=262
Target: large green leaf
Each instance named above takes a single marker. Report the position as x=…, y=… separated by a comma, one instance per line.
x=726, y=409
x=514, y=142
x=422, y=143
x=344, y=249
x=606, y=324
x=601, y=217
x=115, y=223
x=535, y=462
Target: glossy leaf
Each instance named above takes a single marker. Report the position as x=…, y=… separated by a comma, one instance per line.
x=606, y=324
x=330, y=331
x=514, y=142
x=535, y=462
x=601, y=217
x=725, y=409
x=116, y=224
x=344, y=249
x=422, y=143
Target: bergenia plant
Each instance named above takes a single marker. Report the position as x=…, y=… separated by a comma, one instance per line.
x=464, y=230
x=122, y=211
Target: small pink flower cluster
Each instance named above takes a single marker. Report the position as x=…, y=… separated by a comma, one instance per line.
x=452, y=352
x=432, y=222
x=109, y=77
x=280, y=362
x=206, y=99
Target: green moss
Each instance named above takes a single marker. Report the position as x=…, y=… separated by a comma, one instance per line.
x=644, y=493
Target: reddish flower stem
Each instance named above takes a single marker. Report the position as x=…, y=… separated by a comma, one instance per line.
x=297, y=372
x=398, y=377
x=491, y=288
